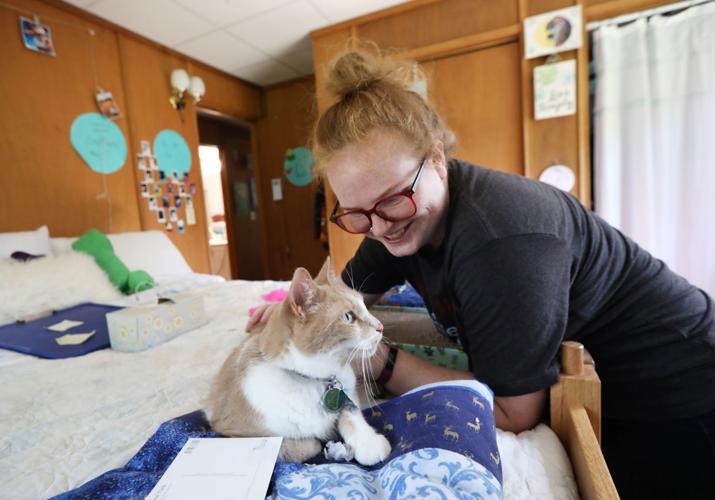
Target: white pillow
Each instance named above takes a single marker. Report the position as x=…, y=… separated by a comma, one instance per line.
x=35, y=242
x=52, y=282
x=150, y=251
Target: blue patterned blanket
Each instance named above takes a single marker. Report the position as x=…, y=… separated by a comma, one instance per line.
x=443, y=446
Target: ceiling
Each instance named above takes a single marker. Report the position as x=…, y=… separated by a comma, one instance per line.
x=261, y=41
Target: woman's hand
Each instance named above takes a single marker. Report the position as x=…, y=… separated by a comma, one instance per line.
x=260, y=316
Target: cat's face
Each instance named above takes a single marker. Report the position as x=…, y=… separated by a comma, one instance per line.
x=331, y=318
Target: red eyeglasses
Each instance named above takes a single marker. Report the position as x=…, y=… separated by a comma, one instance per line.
x=393, y=208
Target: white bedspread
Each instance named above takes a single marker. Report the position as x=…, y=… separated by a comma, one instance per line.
x=63, y=422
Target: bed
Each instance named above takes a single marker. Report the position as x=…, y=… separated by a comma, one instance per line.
x=64, y=422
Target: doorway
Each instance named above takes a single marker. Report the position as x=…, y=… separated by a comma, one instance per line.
x=228, y=172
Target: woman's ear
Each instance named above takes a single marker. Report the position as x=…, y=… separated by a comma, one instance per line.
x=438, y=159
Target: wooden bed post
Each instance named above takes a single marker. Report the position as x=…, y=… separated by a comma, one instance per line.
x=576, y=420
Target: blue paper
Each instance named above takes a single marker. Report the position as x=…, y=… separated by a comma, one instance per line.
x=99, y=142
x=298, y=165
x=172, y=153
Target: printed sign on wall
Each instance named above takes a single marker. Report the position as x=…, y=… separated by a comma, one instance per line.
x=298, y=165
x=555, y=90
x=553, y=32
x=99, y=142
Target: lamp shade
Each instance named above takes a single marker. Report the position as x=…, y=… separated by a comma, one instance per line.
x=180, y=79
x=197, y=88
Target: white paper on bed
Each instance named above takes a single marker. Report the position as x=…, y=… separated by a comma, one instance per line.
x=219, y=468
x=64, y=422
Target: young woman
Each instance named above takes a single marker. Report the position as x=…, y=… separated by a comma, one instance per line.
x=509, y=268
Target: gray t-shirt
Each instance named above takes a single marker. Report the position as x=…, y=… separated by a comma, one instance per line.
x=524, y=266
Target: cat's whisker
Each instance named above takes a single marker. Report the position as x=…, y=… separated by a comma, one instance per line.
x=359, y=289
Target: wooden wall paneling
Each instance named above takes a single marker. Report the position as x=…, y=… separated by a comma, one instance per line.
x=603, y=9
x=227, y=94
x=555, y=140
x=484, y=112
x=435, y=22
x=289, y=115
x=42, y=179
x=146, y=81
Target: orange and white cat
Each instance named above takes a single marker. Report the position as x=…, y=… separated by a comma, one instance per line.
x=275, y=382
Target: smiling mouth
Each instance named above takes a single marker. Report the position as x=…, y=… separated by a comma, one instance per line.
x=397, y=235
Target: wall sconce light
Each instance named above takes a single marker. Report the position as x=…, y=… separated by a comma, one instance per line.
x=181, y=83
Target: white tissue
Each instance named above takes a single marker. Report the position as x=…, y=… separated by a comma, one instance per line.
x=337, y=450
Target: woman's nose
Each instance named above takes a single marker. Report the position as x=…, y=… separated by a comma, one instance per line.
x=379, y=226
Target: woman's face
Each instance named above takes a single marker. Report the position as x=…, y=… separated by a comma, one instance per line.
x=385, y=163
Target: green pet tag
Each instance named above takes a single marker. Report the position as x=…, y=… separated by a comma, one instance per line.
x=334, y=397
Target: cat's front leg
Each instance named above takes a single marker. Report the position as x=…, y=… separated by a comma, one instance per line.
x=369, y=446
x=299, y=450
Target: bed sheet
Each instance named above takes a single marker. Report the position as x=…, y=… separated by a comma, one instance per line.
x=63, y=422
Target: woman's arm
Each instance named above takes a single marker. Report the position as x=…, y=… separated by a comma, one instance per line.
x=514, y=414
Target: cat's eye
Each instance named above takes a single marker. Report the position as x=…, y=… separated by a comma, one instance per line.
x=347, y=317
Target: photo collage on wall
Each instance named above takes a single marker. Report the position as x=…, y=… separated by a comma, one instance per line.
x=170, y=196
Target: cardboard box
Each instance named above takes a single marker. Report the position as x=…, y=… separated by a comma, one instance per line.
x=139, y=328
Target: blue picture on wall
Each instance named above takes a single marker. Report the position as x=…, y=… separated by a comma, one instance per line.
x=99, y=141
x=172, y=154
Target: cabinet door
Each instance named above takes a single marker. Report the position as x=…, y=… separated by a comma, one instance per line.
x=478, y=94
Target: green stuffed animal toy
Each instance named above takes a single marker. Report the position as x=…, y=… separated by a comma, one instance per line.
x=96, y=244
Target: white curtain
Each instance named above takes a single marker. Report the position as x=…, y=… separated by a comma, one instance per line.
x=654, y=137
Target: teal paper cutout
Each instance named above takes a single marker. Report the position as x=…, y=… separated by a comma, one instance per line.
x=298, y=165
x=172, y=153
x=99, y=142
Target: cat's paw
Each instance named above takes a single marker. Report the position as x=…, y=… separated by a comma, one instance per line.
x=372, y=449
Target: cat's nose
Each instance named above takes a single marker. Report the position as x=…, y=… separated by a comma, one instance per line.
x=379, y=327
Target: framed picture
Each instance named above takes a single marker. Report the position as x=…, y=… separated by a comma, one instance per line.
x=37, y=36
x=553, y=32
x=106, y=104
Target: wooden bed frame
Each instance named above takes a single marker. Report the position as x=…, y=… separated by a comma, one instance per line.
x=576, y=420
x=575, y=400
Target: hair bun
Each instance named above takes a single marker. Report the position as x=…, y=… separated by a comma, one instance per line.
x=354, y=71
x=360, y=69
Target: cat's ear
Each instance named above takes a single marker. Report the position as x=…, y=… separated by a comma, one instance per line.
x=301, y=292
x=326, y=275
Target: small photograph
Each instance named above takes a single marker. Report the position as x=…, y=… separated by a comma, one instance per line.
x=153, y=163
x=180, y=226
x=145, y=148
x=148, y=176
x=177, y=201
x=169, y=226
x=37, y=36
x=144, y=189
x=189, y=201
x=174, y=176
x=192, y=188
x=152, y=203
x=165, y=201
x=106, y=104
x=170, y=188
x=141, y=162
x=182, y=189
x=157, y=189
x=173, y=216
x=161, y=216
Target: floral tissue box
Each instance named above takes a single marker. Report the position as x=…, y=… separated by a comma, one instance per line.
x=143, y=327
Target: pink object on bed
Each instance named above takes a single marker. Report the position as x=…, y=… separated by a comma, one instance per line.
x=275, y=296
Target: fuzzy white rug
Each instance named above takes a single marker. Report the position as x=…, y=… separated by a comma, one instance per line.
x=52, y=282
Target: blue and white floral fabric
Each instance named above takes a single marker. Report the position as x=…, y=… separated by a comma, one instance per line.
x=443, y=447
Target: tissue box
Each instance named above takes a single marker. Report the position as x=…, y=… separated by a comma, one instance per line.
x=138, y=328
